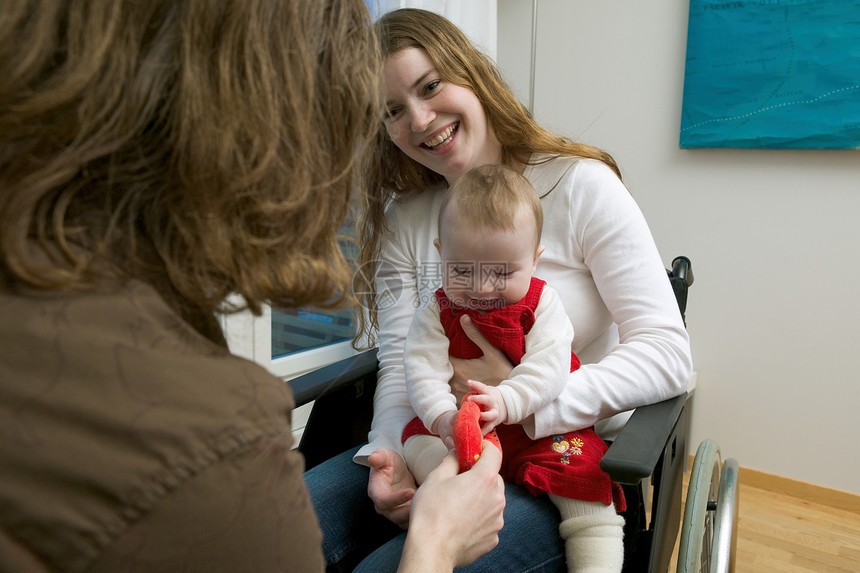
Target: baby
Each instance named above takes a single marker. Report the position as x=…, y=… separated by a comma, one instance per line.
x=489, y=242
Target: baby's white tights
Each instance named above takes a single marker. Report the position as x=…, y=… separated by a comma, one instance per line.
x=423, y=454
x=593, y=535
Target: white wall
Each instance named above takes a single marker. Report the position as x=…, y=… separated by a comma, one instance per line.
x=774, y=313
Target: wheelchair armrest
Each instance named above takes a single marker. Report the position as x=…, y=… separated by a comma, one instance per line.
x=341, y=416
x=634, y=454
x=313, y=385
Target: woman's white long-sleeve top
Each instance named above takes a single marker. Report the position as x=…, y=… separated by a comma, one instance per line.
x=600, y=257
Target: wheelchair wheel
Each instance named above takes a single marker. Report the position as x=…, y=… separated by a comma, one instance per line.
x=708, y=530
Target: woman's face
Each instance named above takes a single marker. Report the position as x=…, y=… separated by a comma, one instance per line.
x=438, y=124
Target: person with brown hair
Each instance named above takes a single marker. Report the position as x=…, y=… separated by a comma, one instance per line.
x=156, y=157
x=449, y=111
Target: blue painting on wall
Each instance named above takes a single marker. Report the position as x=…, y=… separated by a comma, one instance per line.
x=780, y=74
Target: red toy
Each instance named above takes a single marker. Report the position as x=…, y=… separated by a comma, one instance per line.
x=468, y=440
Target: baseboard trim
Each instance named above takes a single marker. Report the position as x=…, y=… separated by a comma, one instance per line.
x=811, y=492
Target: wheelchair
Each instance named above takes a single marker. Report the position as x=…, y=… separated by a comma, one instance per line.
x=647, y=458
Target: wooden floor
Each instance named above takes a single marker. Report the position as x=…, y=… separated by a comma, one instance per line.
x=781, y=533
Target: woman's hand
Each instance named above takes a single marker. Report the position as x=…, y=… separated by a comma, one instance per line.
x=456, y=518
x=491, y=368
x=390, y=486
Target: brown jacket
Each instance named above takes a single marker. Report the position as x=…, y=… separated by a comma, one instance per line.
x=129, y=442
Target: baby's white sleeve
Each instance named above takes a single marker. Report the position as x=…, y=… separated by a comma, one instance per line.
x=427, y=367
x=544, y=370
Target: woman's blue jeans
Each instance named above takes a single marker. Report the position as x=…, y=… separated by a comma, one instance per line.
x=356, y=538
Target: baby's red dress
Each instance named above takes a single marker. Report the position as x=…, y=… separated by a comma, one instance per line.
x=567, y=464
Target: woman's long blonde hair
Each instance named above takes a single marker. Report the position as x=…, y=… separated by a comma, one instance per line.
x=459, y=62
x=208, y=147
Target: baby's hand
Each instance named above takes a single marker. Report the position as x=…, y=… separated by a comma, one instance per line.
x=445, y=428
x=493, y=409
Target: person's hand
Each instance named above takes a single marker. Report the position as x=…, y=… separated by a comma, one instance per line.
x=390, y=486
x=491, y=368
x=493, y=408
x=456, y=518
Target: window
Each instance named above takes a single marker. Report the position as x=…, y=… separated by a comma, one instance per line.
x=304, y=339
x=290, y=342
x=300, y=329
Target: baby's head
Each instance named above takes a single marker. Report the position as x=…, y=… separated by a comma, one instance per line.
x=489, y=237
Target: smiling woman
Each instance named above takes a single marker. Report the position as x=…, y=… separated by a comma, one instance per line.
x=426, y=114
x=450, y=112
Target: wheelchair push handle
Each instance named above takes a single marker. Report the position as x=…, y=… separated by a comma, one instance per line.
x=683, y=269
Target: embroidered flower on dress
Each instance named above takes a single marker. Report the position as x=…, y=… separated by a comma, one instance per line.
x=566, y=448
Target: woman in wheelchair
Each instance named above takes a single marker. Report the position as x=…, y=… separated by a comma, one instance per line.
x=448, y=112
